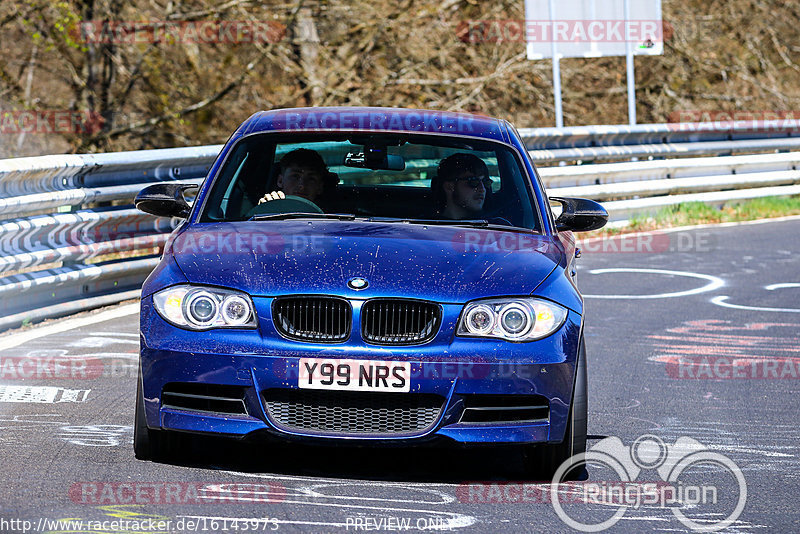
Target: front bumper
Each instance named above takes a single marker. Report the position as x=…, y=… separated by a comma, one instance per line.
x=453, y=368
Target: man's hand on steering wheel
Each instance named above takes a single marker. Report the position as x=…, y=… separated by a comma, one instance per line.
x=275, y=195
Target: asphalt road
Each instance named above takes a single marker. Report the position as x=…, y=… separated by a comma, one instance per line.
x=730, y=295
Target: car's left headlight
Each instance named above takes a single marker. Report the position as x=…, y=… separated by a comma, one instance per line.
x=512, y=319
x=201, y=308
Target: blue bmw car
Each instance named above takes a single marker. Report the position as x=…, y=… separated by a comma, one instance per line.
x=372, y=276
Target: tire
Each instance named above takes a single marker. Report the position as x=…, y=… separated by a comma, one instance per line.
x=542, y=460
x=148, y=444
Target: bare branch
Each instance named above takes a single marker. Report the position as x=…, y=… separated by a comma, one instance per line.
x=197, y=106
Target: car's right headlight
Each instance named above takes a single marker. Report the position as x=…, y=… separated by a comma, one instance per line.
x=512, y=319
x=201, y=308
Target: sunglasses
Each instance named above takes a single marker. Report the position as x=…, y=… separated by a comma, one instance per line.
x=474, y=182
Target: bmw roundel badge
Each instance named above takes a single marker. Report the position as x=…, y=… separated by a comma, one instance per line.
x=357, y=283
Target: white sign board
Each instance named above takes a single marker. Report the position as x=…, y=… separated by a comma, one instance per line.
x=593, y=28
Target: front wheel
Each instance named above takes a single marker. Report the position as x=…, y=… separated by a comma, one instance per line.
x=542, y=460
x=148, y=444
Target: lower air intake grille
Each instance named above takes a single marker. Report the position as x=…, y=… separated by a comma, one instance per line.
x=315, y=319
x=501, y=409
x=399, y=322
x=213, y=398
x=352, y=413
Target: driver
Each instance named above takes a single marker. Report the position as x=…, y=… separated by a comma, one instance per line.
x=461, y=185
x=303, y=173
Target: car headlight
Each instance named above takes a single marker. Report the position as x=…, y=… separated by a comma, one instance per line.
x=201, y=308
x=512, y=319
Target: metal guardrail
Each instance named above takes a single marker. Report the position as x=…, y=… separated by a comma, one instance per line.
x=71, y=240
x=654, y=134
x=60, y=216
x=643, y=187
x=598, y=143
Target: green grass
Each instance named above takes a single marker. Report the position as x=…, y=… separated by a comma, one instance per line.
x=691, y=213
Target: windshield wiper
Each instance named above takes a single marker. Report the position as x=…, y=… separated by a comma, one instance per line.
x=294, y=215
x=444, y=222
x=465, y=223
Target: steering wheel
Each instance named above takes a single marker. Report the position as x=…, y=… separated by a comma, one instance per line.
x=290, y=204
x=494, y=217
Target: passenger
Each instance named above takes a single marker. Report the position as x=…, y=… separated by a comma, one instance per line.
x=460, y=187
x=303, y=173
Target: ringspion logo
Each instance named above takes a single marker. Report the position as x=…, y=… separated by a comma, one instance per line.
x=697, y=504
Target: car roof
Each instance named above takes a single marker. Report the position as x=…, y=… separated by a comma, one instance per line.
x=321, y=119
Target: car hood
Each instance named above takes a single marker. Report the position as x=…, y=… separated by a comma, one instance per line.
x=442, y=263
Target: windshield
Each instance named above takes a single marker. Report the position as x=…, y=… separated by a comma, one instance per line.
x=373, y=176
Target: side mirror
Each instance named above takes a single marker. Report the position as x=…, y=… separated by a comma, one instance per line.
x=164, y=200
x=580, y=215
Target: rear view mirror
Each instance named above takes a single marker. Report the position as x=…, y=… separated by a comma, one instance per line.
x=580, y=215
x=375, y=158
x=164, y=200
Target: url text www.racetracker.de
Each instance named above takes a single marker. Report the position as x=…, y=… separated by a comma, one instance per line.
x=179, y=524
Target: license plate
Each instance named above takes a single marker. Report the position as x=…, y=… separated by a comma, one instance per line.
x=354, y=375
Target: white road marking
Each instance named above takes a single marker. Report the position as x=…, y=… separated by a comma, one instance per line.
x=95, y=435
x=48, y=353
x=759, y=452
x=262, y=520
x=28, y=421
x=15, y=340
x=616, y=224
x=309, y=486
x=720, y=301
x=104, y=355
x=97, y=342
x=455, y=520
x=313, y=491
x=412, y=485
x=714, y=283
x=42, y=394
x=647, y=518
x=772, y=287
